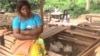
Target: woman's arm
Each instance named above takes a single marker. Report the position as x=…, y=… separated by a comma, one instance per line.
x=33, y=32
x=21, y=36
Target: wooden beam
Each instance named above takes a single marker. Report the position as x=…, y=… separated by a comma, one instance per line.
x=90, y=29
x=41, y=8
x=88, y=48
x=82, y=34
x=75, y=40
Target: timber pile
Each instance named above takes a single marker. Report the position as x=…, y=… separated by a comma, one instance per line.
x=75, y=41
x=5, y=21
x=5, y=50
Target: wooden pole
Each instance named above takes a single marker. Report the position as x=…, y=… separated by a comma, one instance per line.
x=41, y=8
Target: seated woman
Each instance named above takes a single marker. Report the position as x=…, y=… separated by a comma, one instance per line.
x=27, y=28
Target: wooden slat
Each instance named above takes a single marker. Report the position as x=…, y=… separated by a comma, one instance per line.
x=52, y=31
x=81, y=54
x=47, y=30
x=87, y=32
x=9, y=41
x=75, y=40
x=82, y=34
x=91, y=51
x=86, y=28
x=5, y=51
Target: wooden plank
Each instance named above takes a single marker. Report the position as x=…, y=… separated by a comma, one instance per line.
x=86, y=28
x=9, y=39
x=81, y=54
x=46, y=30
x=87, y=32
x=5, y=51
x=82, y=34
x=75, y=40
x=91, y=51
x=52, y=31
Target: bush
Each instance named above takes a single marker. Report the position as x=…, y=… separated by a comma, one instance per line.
x=76, y=11
x=95, y=8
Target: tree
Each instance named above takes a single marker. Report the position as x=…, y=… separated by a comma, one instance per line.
x=87, y=5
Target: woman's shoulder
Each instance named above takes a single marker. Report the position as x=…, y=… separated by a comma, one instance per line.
x=35, y=14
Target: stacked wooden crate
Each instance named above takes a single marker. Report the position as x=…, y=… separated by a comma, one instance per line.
x=77, y=39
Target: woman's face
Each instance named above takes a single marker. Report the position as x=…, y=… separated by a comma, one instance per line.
x=25, y=11
x=65, y=12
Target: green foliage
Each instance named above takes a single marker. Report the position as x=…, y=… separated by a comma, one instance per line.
x=34, y=4
x=51, y=4
x=7, y=5
x=81, y=3
x=75, y=8
x=95, y=8
x=76, y=11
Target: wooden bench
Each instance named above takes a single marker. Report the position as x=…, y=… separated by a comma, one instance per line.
x=89, y=17
x=9, y=39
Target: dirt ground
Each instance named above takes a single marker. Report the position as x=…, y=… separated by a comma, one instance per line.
x=76, y=21
x=82, y=18
x=79, y=19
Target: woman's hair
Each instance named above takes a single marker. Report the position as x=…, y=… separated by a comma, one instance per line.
x=20, y=4
x=65, y=11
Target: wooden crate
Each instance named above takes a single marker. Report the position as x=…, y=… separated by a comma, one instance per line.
x=78, y=39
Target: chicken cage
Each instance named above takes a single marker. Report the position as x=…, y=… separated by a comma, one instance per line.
x=72, y=42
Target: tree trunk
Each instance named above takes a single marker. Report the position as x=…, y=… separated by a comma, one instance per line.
x=41, y=8
x=87, y=5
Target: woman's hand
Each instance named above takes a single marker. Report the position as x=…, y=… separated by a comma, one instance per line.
x=24, y=31
x=33, y=32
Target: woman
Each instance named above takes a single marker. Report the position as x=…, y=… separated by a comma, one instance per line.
x=65, y=16
x=26, y=28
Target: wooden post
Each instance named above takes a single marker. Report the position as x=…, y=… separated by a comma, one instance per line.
x=41, y=8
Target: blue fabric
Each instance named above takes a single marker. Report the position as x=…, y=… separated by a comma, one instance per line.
x=30, y=23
